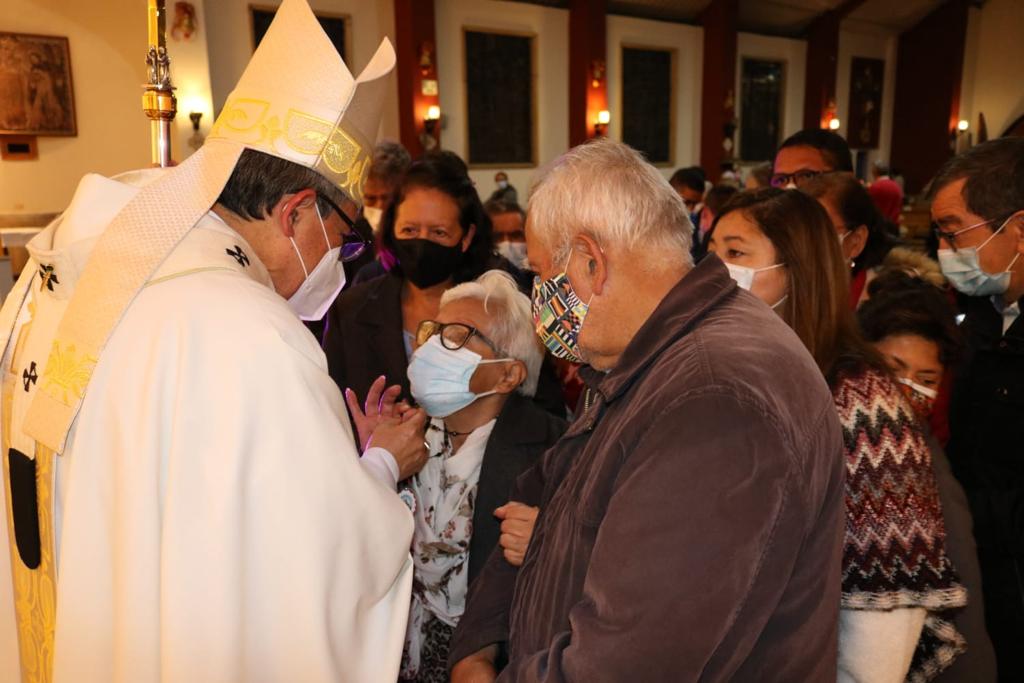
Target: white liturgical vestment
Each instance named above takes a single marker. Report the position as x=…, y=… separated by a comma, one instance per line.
x=210, y=518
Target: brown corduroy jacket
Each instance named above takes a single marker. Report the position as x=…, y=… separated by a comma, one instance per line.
x=691, y=518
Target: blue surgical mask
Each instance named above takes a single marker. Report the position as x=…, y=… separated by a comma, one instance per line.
x=439, y=378
x=963, y=269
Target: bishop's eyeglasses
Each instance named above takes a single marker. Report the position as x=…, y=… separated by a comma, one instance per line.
x=353, y=244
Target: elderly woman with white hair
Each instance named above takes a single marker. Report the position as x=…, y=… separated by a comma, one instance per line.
x=474, y=371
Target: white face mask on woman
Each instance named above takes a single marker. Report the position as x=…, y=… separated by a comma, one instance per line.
x=744, y=276
x=373, y=215
x=321, y=286
x=515, y=252
x=439, y=377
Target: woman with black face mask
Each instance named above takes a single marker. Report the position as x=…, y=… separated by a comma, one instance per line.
x=440, y=236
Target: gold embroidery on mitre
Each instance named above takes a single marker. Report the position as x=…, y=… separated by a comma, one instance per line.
x=342, y=158
x=338, y=154
x=66, y=372
x=35, y=590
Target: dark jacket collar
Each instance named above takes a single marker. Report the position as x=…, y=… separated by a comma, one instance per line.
x=699, y=291
x=518, y=423
x=382, y=306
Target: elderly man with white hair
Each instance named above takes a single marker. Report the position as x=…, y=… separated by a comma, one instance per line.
x=691, y=518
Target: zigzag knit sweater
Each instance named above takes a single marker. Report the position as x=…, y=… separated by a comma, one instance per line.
x=893, y=554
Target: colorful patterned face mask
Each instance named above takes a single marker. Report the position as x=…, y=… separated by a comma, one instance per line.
x=558, y=315
x=921, y=398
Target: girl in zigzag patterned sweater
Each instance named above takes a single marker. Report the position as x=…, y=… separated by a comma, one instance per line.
x=897, y=581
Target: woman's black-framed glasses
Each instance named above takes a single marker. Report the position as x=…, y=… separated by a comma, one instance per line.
x=353, y=244
x=453, y=335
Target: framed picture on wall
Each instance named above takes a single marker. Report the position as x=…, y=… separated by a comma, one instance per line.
x=336, y=26
x=866, y=79
x=647, y=98
x=500, y=101
x=37, y=96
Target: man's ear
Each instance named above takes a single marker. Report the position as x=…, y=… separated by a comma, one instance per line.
x=594, y=261
x=467, y=239
x=289, y=207
x=1017, y=222
x=512, y=377
x=856, y=241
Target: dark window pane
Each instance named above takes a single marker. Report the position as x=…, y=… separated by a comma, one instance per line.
x=761, y=109
x=334, y=27
x=499, y=98
x=647, y=102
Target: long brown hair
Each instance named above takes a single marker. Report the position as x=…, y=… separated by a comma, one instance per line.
x=817, y=306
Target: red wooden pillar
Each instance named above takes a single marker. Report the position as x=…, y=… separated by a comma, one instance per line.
x=820, y=73
x=822, y=65
x=588, y=83
x=929, y=65
x=415, y=48
x=718, y=84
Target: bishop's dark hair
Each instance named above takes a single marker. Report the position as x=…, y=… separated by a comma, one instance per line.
x=260, y=180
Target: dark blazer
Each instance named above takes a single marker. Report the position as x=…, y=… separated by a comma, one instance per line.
x=363, y=339
x=522, y=433
x=986, y=433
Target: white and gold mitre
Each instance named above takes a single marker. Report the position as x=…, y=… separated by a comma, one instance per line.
x=297, y=100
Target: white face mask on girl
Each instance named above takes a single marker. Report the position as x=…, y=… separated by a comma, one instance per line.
x=321, y=286
x=373, y=215
x=744, y=276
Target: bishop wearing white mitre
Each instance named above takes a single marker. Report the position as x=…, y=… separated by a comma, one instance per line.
x=182, y=495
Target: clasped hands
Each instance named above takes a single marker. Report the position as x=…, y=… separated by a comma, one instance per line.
x=385, y=422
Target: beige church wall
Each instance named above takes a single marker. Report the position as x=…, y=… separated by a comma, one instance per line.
x=107, y=42
x=688, y=44
x=230, y=44
x=793, y=53
x=993, y=79
x=863, y=40
x=551, y=50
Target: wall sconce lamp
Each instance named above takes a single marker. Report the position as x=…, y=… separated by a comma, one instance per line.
x=960, y=138
x=196, y=141
x=432, y=117
x=603, y=119
x=430, y=122
x=834, y=123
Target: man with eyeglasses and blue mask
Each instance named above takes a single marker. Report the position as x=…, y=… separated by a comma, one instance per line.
x=978, y=215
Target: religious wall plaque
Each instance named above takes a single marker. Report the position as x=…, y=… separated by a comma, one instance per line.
x=866, y=78
x=334, y=25
x=37, y=96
